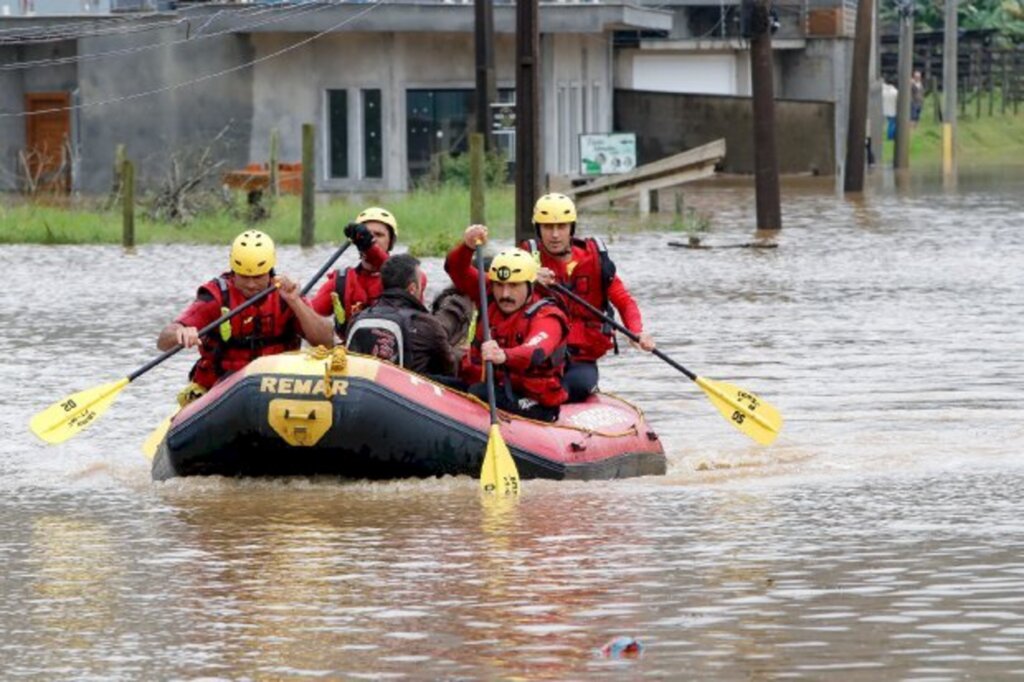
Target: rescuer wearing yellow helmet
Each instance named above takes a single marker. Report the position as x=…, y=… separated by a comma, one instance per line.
x=347, y=291
x=583, y=267
x=275, y=324
x=528, y=331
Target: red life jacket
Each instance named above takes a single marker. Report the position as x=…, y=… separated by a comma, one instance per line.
x=356, y=290
x=267, y=328
x=589, y=337
x=541, y=382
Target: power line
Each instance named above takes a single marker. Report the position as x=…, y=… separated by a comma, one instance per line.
x=306, y=7
x=47, y=35
x=210, y=76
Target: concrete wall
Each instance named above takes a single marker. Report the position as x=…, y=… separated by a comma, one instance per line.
x=822, y=72
x=15, y=84
x=667, y=123
x=289, y=90
x=144, y=99
x=151, y=103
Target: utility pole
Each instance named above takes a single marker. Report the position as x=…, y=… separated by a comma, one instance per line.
x=486, y=85
x=856, y=133
x=527, y=115
x=901, y=159
x=950, y=52
x=766, y=161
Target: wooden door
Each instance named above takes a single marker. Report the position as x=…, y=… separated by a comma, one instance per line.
x=46, y=162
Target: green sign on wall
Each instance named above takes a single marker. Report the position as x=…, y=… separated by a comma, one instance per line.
x=607, y=153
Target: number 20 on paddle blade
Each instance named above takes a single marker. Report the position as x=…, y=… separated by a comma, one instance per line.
x=744, y=410
x=499, y=473
x=68, y=416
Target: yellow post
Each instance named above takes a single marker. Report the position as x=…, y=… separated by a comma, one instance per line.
x=947, y=148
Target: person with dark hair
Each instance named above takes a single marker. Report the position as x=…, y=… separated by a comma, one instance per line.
x=397, y=327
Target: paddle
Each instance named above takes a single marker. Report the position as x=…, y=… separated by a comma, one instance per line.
x=744, y=410
x=68, y=416
x=499, y=469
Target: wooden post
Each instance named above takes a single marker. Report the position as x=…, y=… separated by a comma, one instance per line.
x=901, y=159
x=856, y=132
x=766, y=161
x=306, y=236
x=275, y=140
x=486, y=85
x=1005, y=89
x=527, y=116
x=977, y=83
x=1016, y=83
x=115, y=187
x=949, y=85
x=990, y=81
x=476, y=179
x=127, y=204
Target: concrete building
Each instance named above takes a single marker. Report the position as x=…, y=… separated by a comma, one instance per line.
x=388, y=85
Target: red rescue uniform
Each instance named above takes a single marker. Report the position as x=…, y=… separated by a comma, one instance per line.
x=533, y=338
x=348, y=292
x=590, y=274
x=267, y=328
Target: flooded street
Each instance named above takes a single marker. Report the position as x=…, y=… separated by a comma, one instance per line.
x=879, y=538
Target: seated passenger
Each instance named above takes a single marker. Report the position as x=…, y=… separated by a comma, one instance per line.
x=397, y=326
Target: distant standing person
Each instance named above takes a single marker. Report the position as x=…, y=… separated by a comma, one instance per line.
x=889, y=96
x=916, y=98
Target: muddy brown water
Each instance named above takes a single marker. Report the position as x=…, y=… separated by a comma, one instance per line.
x=880, y=537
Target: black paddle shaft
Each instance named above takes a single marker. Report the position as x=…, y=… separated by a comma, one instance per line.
x=486, y=322
x=622, y=328
x=234, y=311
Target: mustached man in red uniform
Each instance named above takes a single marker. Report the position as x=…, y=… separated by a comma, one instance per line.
x=528, y=331
x=582, y=266
x=276, y=324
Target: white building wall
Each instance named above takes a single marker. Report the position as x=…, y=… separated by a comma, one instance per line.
x=712, y=74
x=718, y=73
x=576, y=96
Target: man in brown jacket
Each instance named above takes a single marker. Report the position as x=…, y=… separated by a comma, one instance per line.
x=398, y=328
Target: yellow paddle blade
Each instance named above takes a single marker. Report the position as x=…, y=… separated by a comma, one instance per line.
x=66, y=417
x=152, y=442
x=744, y=410
x=499, y=473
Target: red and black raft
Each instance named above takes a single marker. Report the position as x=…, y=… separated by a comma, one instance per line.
x=353, y=416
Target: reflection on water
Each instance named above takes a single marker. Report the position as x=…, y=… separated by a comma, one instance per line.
x=879, y=538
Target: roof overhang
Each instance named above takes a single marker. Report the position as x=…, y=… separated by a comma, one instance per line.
x=434, y=18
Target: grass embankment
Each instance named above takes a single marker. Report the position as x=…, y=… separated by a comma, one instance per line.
x=981, y=141
x=429, y=222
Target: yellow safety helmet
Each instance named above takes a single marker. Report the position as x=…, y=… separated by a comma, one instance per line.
x=554, y=208
x=380, y=215
x=252, y=254
x=511, y=266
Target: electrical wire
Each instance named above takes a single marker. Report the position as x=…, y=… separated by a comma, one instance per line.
x=302, y=8
x=200, y=79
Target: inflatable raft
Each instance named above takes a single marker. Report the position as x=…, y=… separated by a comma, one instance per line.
x=334, y=413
